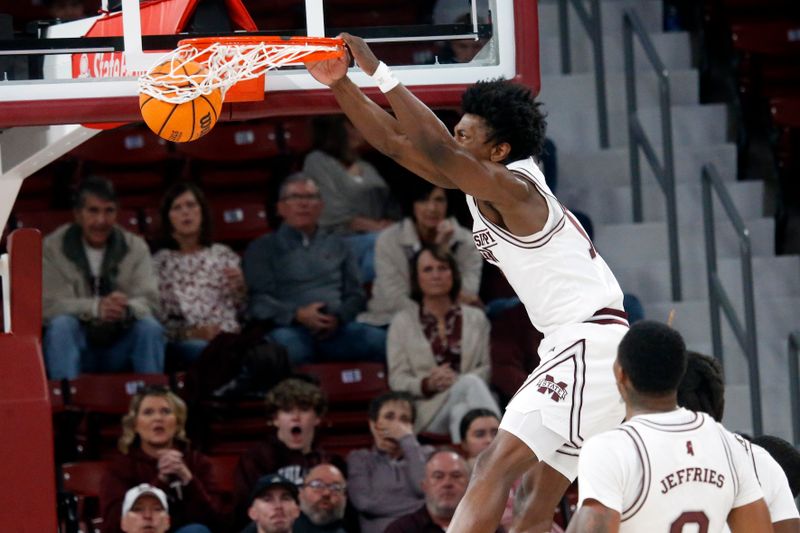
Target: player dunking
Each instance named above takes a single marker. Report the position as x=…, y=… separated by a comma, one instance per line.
x=568, y=290
x=666, y=468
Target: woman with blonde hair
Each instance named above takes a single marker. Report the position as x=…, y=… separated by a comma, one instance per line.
x=154, y=449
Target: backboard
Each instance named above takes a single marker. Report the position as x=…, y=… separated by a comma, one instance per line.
x=437, y=48
x=85, y=71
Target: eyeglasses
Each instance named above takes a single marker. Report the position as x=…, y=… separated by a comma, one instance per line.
x=297, y=197
x=318, y=484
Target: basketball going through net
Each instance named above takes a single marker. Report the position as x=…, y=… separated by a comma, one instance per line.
x=181, y=97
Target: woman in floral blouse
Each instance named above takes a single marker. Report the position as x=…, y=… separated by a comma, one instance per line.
x=200, y=283
x=438, y=350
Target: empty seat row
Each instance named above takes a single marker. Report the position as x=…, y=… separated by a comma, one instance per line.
x=235, y=219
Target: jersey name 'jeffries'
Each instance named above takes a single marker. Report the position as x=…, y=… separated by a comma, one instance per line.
x=691, y=475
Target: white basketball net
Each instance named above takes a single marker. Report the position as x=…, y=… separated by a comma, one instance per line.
x=226, y=64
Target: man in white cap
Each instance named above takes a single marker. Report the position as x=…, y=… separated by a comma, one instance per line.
x=145, y=510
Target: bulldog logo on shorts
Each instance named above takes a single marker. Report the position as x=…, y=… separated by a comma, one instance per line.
x=558, y=390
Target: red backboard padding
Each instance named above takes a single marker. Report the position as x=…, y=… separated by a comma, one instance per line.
x=27, y=481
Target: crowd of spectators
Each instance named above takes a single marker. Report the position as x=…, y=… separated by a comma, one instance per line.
x=341, y=278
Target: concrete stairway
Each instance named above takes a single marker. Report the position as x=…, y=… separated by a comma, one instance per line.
x=598, y=182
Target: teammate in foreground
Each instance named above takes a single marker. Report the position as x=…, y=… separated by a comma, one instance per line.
x=703, y=389
x=666, y=468
x=568, y=290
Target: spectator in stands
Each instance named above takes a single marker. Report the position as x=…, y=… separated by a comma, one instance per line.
x=154, y=450
x=461, y=50
x=294, y=408
x=323, y=500
x=145, y=510
x=478, y=429
x=385, y=482
x=201, y=283
x=357, y=201
x=703, y=389
x=273, y=505
x=427, y=224
x=438, y=350
x=99, y=292
x=445, y=482
x=304, y=279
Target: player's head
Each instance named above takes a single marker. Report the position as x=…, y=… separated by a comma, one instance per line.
x=703, y=386
x=651, y=360
x=785, y=455
x=502, y=122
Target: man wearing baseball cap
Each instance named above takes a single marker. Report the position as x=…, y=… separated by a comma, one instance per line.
x=145, y=510
x=273, y=505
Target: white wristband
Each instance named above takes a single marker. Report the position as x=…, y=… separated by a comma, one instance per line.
x=384, y=78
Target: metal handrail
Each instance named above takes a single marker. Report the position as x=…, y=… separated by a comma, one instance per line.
x=593, y=26
x=638, y=140
x=718, y=296
x=794, y=386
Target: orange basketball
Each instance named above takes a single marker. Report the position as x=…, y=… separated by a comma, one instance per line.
x=180, y=122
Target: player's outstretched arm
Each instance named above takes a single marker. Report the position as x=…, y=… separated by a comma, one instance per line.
x=379, y=128
x=787, y=526
x=594, y=517
x=750, y=518
x=430, y=137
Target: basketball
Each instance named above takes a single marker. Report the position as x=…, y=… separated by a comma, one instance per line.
x=182, y=122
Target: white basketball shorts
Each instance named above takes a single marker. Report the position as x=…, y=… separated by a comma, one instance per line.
x=570, y=396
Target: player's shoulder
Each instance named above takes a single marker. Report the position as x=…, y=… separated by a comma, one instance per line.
x=738, y=442
x=616, y=439
x=766, y=466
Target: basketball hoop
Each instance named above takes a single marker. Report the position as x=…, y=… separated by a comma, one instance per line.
x=228, y=61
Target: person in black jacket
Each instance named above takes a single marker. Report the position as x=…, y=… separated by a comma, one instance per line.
x=294, y=409
x=323, y=501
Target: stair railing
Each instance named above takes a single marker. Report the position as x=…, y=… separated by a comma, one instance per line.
x=794, y=385
x=638, y=140
x=592, y=24
x=718, y=298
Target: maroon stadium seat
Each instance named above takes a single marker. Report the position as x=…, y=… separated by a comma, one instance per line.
x=44, y=221
x=222, y=471
x=83, y=480
x=109, y=393
x=236, y=220
x=297, y=134
x=234, y=141
x=126, y=145
x=349, y=386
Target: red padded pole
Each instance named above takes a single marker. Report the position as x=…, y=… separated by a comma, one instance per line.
x=27, y=471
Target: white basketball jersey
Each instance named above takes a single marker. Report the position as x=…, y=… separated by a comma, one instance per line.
x=556, y=272
x=774, y=485
x=668, y=472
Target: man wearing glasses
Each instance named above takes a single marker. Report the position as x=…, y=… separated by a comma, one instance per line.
x=322, y=501
x=305, y=280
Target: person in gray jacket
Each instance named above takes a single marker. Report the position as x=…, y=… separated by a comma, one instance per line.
x=385, y=481
x=304, y=279
x=99, y=293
